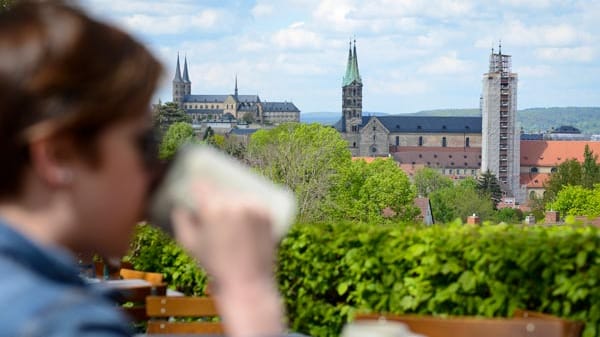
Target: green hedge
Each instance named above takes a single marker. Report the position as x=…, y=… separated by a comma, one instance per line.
x=152, y=250
x=327, y=272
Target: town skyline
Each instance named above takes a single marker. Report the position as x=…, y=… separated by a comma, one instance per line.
x=413, y=55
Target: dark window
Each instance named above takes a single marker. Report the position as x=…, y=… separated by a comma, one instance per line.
x=373, y=149
x=467, y=142
x=452, y=163
x=413, y=163
x=553, y=170
x=420, y=155
x=449, y=156
x=374, y=128
x=354, y=144
x=466, y=166
x=444, y=142
x=435, y=156
x=420, y=140
x=534, y=170
x=443, y=127
x=418, y=127
x=532, y=195
x=397, y=140
x=465, y=156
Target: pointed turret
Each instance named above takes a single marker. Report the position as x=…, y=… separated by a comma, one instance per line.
x=186, y=77
x=177, y=77
x=352, y=73
x=180, y=88
x=349, y=64
x=236, y=89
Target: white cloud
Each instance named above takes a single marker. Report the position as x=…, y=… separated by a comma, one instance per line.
x=335, y=15
x=262, y=10
x=207, y=19
x=405, y=87
x=561, y=35
x=297, y=37
x=577, y=54
x=445, y=65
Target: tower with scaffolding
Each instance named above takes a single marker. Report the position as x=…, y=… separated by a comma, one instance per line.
x=500, y=139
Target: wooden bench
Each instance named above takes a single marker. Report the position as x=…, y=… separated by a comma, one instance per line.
x=526, y=324
x=152, y=278
x=164, y=313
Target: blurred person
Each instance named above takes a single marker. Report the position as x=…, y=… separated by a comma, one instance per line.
x=75, y=131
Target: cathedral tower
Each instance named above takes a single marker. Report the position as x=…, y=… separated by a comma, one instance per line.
x=500, y=139
x=352, y=95
x=178, y=85
x=187, y=84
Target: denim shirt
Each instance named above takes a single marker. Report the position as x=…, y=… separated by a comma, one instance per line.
x=41, y=294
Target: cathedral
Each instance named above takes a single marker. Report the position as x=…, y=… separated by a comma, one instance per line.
x=456, y=146
x=229, y=106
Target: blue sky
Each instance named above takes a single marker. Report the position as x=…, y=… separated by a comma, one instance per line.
x=413, y=55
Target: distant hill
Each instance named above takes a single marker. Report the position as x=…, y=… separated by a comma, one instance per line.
x=329, y=118
x=533, y=120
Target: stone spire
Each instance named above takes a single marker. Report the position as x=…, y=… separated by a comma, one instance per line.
x=177, y=77
x=352, y=73
x=186, y=77
x=236, y=89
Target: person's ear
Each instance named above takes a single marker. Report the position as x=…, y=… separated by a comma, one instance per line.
x=50, y=160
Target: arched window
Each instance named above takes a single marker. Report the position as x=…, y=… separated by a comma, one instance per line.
x=534, y=170
x=531, y=195
x=373, y=149
x=420, y=140
x=553, y=170
x=467, y=142
x=444, y=142
x=397, y=140
x=354, y=144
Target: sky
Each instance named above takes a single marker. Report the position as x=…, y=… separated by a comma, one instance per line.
x=413, y=55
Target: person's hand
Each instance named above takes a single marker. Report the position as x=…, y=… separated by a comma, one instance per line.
x=231, y=236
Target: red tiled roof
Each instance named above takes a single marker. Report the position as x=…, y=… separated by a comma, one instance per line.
x=534, y=180
x=554, y=152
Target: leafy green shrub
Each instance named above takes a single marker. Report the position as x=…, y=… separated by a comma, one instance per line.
x=153, y=250
x=329, y=271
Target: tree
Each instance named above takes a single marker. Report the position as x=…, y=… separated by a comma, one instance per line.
x=167, y=114
x=577, y=200
x=460, y=201
x=248, y=117
x=178, y=134
x=487, y=184
x=567, y=173
x=590, y=172
x=362, y=192
x=428, y=180
x=303, y=157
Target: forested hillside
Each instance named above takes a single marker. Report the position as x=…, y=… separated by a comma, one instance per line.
x=586, y=119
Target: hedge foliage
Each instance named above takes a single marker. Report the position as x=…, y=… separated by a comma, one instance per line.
x=327, y=272
x=153, y=250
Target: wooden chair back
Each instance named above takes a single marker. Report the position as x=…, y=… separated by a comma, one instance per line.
x=160, y=308
x=153, y=278
x=530, y=326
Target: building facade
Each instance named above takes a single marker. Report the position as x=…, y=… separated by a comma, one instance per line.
x=500, y=138
x=228, y=106
x=452, y=145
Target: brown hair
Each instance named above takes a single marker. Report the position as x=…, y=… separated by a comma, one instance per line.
x=57, y=64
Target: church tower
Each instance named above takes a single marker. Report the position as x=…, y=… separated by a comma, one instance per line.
x=352, y=96
x=178, y=85
x=187, y=84
x=500, y=139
